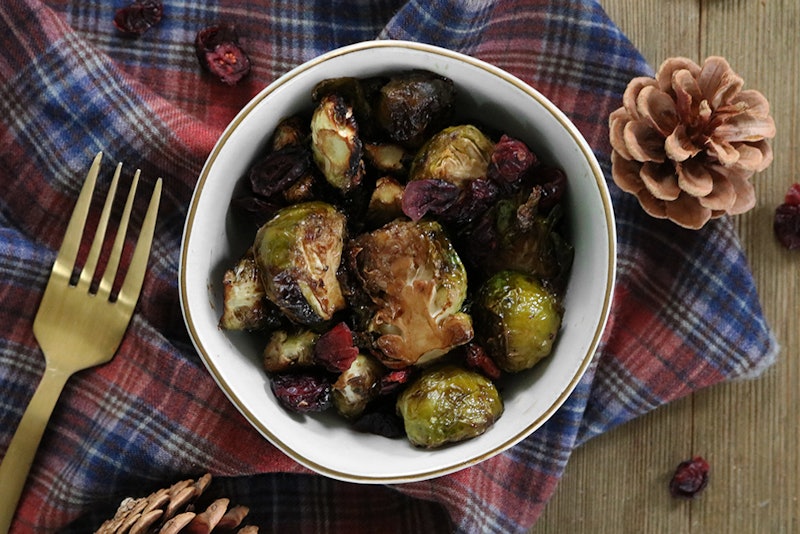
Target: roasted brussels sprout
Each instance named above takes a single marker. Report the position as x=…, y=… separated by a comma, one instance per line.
x=413, y=105
x=517, y=320
x=448, y=404
x=388, y=157
x=356, y=386
x=417, y=285
x=335, y=143
x=456, y=154
x=289, y=349
x=291, y=131
x=515, y=234
x=298, y=253
x=385, y=204
x=244, y=303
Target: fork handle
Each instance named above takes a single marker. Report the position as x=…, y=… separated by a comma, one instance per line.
x=19, y=457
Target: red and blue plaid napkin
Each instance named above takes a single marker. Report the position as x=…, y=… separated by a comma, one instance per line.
x=685, y=312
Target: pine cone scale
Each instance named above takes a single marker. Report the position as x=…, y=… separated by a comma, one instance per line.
x=177, y=510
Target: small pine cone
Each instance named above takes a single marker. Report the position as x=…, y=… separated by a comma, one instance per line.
x=174, y=509
x=686, y=142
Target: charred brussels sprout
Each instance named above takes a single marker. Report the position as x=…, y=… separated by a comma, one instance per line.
x=448, y=404
x=298, y=253
x=413, y=105
x=291, y=131
x=385, y=204
x=417, y=285
x=456, y=154
x=244, y=302
x=517, y=320
x=516, y=234
x=387, y=157
x=335, y=143
x=356, y=386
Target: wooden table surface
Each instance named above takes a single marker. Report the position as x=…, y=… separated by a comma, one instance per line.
x=749, y=431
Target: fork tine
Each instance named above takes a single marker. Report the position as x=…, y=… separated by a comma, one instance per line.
x=129, y=293
x=68, y=251
x=104, y=290
x=87, y=273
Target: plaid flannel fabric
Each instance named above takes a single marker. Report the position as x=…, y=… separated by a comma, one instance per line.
x=685, y=312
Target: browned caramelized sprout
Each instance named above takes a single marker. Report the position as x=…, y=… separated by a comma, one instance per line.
x=244, y=299
x=385, y=204
x=387, y=157
x=358, y=385
x=335, y=143
x=448, y=404
x=298, y=253
x=413, y=105
x=518, y=320
x=291, y=131
x=417, y=284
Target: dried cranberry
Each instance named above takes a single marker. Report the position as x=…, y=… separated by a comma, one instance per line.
x=335, y=349
x=381, y=418
x=423, y=196
x=449, y=202
x=793, y=195
x=384, y=424
x=391, y=381
x=786, y=223
x=476, y=358
x=218, y=51
x=302, y=392
x=279, y=170
x=476, y=197
x=138, y=17
x=510, y=160
x=553, y=185
x=690, y=478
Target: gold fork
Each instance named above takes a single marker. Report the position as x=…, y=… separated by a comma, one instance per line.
x=77, y=327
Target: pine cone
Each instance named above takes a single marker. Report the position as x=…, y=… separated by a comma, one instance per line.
x=172, y=510
x=687, y=141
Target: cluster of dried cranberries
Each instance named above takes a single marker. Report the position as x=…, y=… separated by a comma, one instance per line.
x=217, y=47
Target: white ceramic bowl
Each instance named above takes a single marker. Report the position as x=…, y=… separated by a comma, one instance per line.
x=212, y=243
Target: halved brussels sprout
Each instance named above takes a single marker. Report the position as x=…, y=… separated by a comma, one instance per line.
x=298, y=253
x=417, y=284
x=244, y=303
x=517, y=320
x=448, y=404
x=456, y=154
x=385, y=204
x=387, y=157
x=335, y=143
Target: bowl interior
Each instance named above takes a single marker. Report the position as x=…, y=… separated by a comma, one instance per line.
x=213, y=241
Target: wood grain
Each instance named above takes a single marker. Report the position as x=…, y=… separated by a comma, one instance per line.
x=748, y=430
